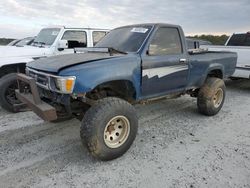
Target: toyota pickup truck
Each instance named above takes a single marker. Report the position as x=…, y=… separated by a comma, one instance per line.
x=132, y=64
x=50, y=41
x=239, y=43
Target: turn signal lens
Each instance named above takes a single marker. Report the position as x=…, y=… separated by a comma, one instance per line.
x=65, y=84
x=69, y=83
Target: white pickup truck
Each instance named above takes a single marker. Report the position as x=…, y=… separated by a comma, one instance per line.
x=240, y=43
x=50, y=41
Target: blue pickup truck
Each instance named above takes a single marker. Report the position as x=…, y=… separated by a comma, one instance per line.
x=129, y=65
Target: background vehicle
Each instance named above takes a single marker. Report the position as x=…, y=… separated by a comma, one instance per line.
x=49, y=42
x=22, y=42
x=12, y=43
x=193, y=43
x=131, y=64
x=240, y=43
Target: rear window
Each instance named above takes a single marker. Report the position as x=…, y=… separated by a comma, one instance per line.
x=97, y=36
x=239, y=40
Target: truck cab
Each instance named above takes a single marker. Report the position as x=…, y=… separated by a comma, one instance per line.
x=240, y=43
x=64, y=40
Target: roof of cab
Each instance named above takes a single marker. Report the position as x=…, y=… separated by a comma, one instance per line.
x=65, y=27
x=150, y=24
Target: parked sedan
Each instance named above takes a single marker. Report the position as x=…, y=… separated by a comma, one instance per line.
x=22, y=42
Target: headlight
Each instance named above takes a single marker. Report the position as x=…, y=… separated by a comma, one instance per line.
x=65, y=84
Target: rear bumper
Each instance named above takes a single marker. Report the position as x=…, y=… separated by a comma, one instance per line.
x=33, y=100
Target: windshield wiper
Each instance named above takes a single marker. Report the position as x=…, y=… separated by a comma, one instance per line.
x=42, y=44
x=109, y=50
x=113, y=50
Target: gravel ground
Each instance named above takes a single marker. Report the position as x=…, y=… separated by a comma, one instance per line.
x=175, y=147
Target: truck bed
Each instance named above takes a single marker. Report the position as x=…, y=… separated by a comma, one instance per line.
x=243, y=62
x=199, y=64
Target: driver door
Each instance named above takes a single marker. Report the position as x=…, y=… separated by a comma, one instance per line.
x=164, y=66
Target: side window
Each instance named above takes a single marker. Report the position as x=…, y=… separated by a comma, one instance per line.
x=166, y=42
x=75, y=38
x=97, y=36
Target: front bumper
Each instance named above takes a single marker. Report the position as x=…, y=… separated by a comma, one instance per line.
x=32, y=98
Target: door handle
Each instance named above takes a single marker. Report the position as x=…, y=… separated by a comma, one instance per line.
x=183, y=60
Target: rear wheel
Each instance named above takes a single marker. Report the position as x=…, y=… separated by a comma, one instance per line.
x=109, y=128
x=211, y=96
x=8, y=85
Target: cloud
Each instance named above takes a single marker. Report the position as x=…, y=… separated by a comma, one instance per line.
x=214, y=16
x=14, y=31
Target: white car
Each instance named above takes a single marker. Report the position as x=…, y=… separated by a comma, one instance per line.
x=49, y=42
x=240, y=43
x=22, y=42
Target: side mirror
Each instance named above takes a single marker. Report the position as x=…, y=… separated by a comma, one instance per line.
x=62, y=44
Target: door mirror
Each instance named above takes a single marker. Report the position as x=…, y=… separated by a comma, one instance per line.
x=62, y=44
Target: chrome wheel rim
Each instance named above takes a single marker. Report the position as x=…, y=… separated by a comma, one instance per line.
x=218, y=98
x=116, y=131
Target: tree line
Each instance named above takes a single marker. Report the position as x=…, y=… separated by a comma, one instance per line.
x=214, y=39
x=4, y=41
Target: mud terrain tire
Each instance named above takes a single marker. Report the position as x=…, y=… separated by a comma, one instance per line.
x=109, y=128
x=211, y=96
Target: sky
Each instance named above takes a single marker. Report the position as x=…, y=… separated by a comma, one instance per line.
x=22, y=18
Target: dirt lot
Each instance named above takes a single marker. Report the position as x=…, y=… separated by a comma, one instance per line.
x=175, y=147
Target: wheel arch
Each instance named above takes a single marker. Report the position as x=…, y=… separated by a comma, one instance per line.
x=12, y=68
x=217, y=73
x=214, y=71
x=122, y=88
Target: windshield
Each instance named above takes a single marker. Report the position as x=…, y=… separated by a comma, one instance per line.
x=239, y=40
x=125, y=39
x=46, y=37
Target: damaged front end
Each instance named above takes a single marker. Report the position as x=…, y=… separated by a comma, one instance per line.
x=28, y=94
x=49, y=96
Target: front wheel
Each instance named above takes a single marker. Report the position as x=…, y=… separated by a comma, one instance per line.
x=109, y=128
x=8, y=84
x=211, y=96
